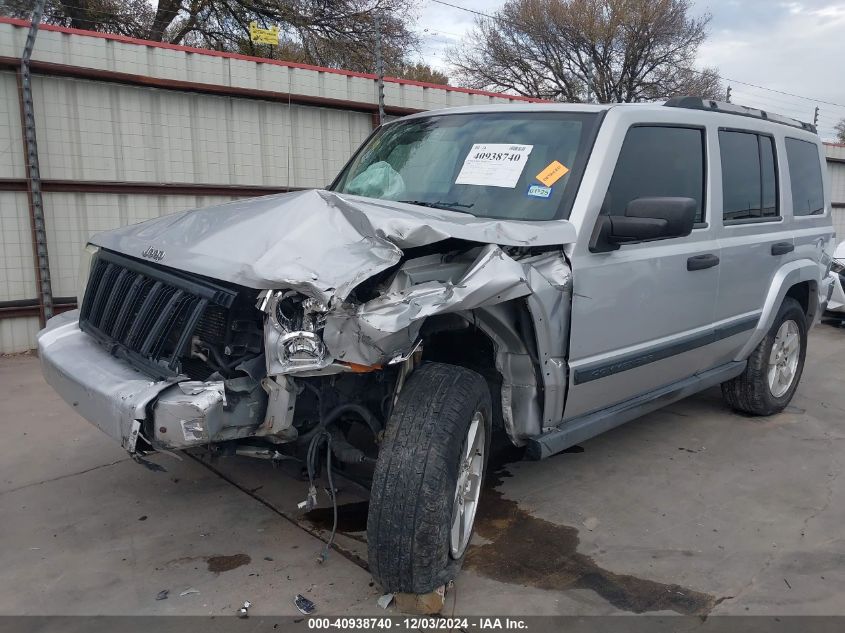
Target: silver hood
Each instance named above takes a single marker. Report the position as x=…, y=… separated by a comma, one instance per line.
x=315, y=241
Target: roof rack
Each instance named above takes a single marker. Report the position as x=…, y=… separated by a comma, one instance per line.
x=697, y=103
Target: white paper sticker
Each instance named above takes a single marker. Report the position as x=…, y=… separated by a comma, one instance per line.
x=494, y=165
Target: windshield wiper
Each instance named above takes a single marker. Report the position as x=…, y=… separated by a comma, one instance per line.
x=439, y=204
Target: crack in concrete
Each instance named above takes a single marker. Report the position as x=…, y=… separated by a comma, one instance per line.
x=831, y=480
x=60, y=477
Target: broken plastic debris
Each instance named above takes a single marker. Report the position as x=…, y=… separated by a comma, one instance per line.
x=385, y=600
x=189, y=591
x=243, y=612
x=162, y=595
x=305, y=606
x=310, y=501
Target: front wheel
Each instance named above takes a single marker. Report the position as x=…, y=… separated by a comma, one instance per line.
x=427, y=480
x=774, y=367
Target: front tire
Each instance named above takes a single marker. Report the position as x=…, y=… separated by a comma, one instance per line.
x=428, y=479
x=774, y=367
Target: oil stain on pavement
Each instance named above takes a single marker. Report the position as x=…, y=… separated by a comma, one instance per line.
x=351, y=517
x=218, y=564
x=524, y=549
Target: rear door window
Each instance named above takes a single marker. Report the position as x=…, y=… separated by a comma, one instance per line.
x=805, y=174
x=658, y=161
x=749, y=180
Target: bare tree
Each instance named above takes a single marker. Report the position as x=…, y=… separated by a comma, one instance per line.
x=575, y=50
x=839, y=128
x=335, y=33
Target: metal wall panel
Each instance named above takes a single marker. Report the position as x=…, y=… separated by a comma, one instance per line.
x=11, y=145
x=17, y=272
x=839, y=224
x=72, y=218
x=18, y=334
x=836, y=174
x=91, y=130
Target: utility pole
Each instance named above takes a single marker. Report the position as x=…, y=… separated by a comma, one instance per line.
x=379, y=71
x=36, y=201
x=728, y=94
x=590, y=81
x=816, y=116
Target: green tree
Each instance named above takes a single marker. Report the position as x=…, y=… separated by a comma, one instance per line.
x=420, y=71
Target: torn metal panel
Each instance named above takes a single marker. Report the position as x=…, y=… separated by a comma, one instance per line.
x=317, y=242
x=192, y=413
x=386, y=325
x=280, y=406
x=550, y=279
x=521, y=408
x=492, y=278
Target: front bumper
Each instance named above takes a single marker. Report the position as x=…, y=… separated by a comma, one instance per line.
x=175, y=412
x=104, y=390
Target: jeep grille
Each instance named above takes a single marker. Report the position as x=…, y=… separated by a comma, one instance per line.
x=147, y=314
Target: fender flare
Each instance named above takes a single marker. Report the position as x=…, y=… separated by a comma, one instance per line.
x=788, y=275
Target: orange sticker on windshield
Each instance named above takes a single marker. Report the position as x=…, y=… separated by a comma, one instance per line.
x=552, y=173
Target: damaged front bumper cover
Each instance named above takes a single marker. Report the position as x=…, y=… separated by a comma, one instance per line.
x=118, y=399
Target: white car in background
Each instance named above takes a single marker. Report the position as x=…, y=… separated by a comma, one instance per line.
x=836, y=305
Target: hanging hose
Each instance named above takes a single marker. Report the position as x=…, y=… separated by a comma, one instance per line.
x=334, y=414
x=313, y=449
x=315, y=437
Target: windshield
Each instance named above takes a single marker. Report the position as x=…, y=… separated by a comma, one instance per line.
x=514, y=165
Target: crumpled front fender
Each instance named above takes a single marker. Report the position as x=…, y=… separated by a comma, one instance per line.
x=388, y=325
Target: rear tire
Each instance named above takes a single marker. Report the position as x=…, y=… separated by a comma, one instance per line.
x=423, y=458
x=774, y=367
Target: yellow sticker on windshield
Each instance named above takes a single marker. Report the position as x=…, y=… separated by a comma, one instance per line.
x=552, y=173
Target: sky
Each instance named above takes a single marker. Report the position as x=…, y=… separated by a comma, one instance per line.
x=792, y=47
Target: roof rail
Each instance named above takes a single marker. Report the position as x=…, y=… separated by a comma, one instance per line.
x=697, y=103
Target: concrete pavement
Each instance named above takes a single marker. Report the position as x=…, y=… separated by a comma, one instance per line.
x=692, y=509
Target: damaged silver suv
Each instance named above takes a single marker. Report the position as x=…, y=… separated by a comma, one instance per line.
x=539, y=272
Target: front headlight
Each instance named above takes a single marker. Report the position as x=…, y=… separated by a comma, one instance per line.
x=838, y=267
x=85, y=260
x=298, y=349
x=292, y=331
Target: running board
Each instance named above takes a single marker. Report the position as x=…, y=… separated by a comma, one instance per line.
x=586, y=426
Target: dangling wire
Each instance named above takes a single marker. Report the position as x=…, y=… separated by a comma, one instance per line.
x=313, y=449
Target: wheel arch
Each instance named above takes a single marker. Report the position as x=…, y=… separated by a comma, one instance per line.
x=798, y=279
x=495, y=342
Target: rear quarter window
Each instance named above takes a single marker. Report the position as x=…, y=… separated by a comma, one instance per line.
x=805, y=175
x=749, y=182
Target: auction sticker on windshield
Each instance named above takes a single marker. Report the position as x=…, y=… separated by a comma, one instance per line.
x=553, y=172
x=494, y=165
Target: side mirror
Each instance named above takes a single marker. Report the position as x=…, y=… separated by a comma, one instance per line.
x=645, y=219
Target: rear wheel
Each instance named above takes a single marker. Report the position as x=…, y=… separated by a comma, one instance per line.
x=774, y=368
x=428, y=477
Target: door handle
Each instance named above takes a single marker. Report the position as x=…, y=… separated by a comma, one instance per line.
x=782, y=248
x=700, y=262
